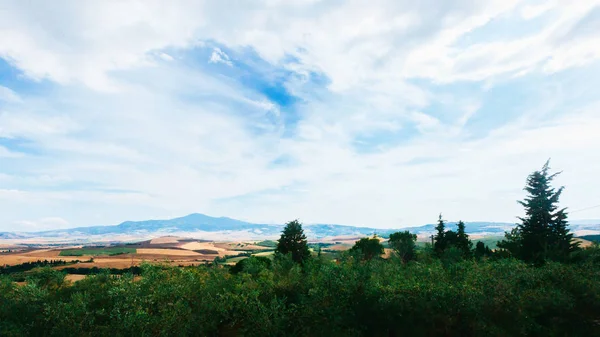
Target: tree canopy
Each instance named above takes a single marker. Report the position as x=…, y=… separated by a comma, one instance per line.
x=293, y=241
x=368, y=248
x=403, y=244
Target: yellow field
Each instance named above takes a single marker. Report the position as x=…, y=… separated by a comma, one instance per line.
x=166, y=251
x=165, y=239
x=74, y=278
x=200, y=246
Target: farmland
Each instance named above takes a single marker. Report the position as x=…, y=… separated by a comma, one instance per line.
x=168, y=250
x=108, y=251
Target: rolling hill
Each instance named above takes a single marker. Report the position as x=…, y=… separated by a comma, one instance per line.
x=199, y=225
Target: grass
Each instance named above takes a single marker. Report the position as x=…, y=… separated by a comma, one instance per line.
x=267, y=243
x=235, y=259
x=110, y=251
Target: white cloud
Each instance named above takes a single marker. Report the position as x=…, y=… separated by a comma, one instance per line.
x=130, y=131
x=218, y=56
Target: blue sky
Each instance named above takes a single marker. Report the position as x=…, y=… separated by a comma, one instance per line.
x=381, y=114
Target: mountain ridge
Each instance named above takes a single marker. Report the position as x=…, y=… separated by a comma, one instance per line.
x=201, y=223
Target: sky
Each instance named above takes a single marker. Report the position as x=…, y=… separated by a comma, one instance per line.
x=378, y=113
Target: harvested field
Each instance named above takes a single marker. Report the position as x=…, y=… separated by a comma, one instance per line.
x=583, y=243
x=239, y=246
x=339, y=247
x=74, y=278
x=200, y=246
x=43, y=253
x=163, y=251
x=165, y=239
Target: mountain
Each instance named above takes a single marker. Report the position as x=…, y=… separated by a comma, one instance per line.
x=12, y=236
x=223, y=228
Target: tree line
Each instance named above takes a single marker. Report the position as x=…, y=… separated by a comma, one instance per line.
x=542, y=236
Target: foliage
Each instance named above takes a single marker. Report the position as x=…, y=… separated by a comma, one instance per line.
x=462, y=242
x=403, y=244
x=382, y=298
x=543, y=234
x=482, y=250
x=26, y=266
x=440, y=237
x=293, y=241
x=367, y=248
x=110, y=251
x=252, y=265
x=458, y=241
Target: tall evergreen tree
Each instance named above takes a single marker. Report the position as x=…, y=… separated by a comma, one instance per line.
x=561, y=240
x=462, y=240
x=479, y=250
x=543, y=233
x=440, y=241
x=293, y=241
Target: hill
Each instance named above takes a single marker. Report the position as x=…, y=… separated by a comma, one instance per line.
x=224, y=228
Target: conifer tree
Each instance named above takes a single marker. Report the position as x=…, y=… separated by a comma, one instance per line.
x=561, y=239
x=440, y=237
x=462, y=240
x=543, y=233
x=293, y=241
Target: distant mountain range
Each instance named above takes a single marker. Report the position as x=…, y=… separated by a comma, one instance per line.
x=200, y=225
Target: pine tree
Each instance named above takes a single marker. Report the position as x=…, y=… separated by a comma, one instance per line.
x=462, y=240
x=561, y=240
x=543, y=233
x=440, y=237
x=293, y=241
x=481, y=250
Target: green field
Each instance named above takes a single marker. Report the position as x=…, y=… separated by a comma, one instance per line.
x=110, y=251
x=235, y=259
x=267, y=243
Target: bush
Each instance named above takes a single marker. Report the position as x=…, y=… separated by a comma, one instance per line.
x=318, y=298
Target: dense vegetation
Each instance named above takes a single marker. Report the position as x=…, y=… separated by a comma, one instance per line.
x=593, y=238
x=536, y=284
x=23, y=267
x=503, y=297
